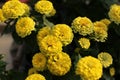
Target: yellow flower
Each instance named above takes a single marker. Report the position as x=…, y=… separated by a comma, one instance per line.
x=39, y=61
x=105, y=21
x=26, y=8
x=59, y=64
x=100, y=25
x=13, y=9
x=114, y=13
x=82, y=25
x=32, y=71
x=44, y=7
x=105, y=58
x=84, y=43
x=99, y=35
x=50, y=44
x=63, y=32
x=89, y=68
x=43, y=32
x=35, y=77
x=112, y=71
x=25, y=26
x=2, y=18
x=52, y=13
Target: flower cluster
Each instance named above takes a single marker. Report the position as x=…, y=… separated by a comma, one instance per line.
x=61, y=47
x=15, y=10
x=54, y=63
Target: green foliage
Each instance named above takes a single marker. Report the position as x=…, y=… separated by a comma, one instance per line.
x=2, y=68
x=16, y=75
x=10, y=74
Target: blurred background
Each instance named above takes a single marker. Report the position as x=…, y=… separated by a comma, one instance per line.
x=5, y=43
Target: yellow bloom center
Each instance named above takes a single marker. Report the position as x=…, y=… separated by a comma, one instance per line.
x=63, y=32
x=59, y=64
x=25, y=26
x=50, y=44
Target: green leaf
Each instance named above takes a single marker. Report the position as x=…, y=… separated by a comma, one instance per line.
x=47, y=22
x=2, y=66
x=106, y=75
x=16, y=75
x=3, y=77
x=108, y=3
x=116, y=27
x=69, y=76
x=10, y=26
x=1, y=56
